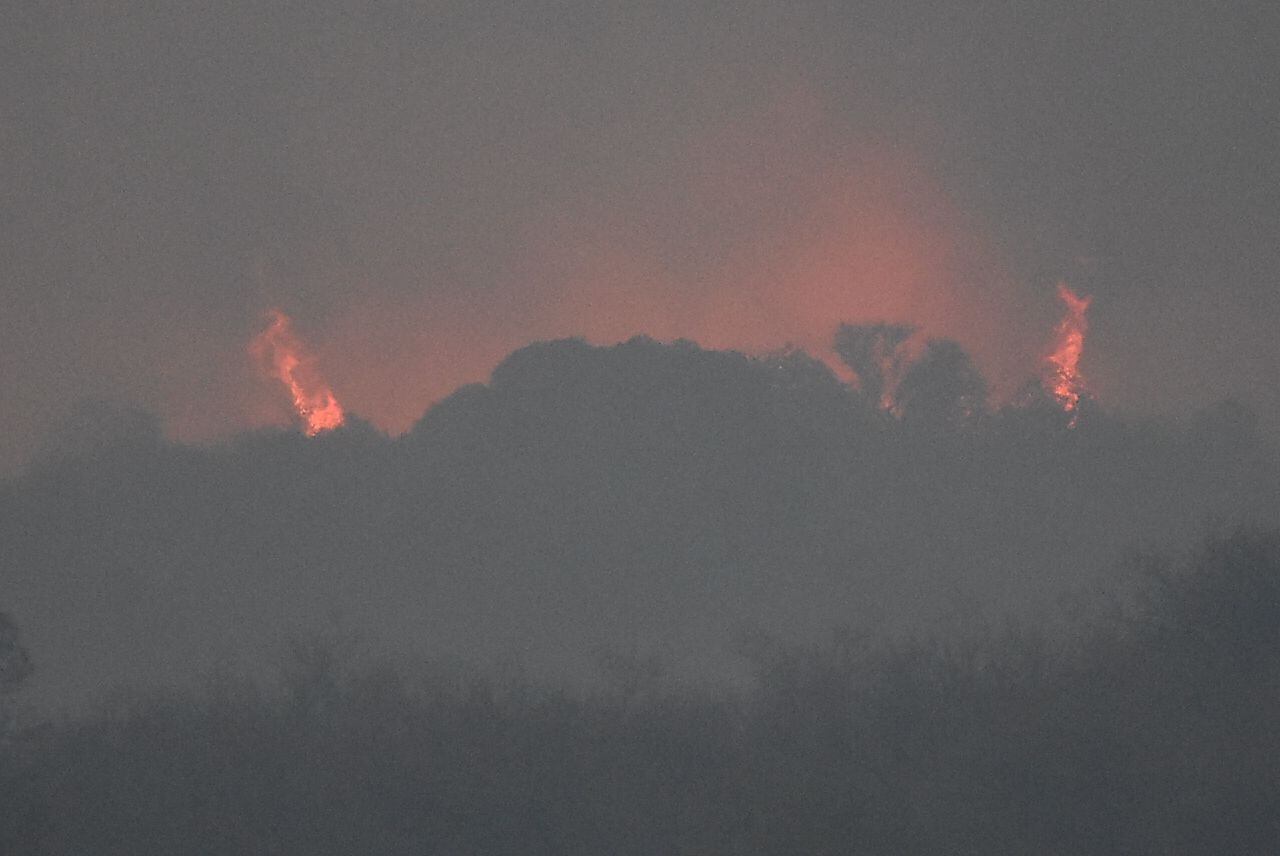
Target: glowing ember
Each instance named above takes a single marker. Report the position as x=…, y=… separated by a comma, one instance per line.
x=1062, y=375
x=284, y=357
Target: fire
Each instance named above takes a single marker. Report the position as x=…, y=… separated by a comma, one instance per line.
x=878, y=355
x=285, y=358
x=1062, y=372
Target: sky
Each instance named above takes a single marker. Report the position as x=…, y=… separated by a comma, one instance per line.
x=425, y=187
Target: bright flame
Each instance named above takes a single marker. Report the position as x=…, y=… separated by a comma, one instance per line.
x=284, y=357
x=1062, y=376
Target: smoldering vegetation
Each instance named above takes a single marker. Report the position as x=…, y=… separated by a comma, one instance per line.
x=1149, y=728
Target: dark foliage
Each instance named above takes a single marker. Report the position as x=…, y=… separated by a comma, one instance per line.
x=15, y=661
x=646, y=496
x=1152, y=731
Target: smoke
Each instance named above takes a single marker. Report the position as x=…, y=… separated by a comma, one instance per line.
x=763, y=228
x=745, y=176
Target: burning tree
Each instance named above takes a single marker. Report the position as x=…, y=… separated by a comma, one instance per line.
x=285, y=358
x=1062, y=366
x=877, y=354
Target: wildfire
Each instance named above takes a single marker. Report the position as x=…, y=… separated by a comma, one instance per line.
x=1062, y=373
x=878, y=355
x=285, y=358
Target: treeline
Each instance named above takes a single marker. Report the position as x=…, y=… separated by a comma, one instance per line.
x=1151, y=728
x=589, y=497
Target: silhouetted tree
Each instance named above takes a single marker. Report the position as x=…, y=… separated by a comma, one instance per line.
x=943, y=386
x=15, y=662
x=876, y=353
x=1224, y=607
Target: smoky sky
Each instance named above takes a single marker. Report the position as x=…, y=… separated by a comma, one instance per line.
x=427, y=186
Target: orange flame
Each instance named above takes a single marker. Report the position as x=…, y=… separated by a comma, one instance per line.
x=1062, y=376
x=285, y=358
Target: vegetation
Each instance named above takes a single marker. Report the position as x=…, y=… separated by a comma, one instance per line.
x=1152, y=730
x=15, y=662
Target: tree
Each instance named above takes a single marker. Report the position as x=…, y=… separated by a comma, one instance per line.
x=15, y=662
x=942, y=387
x=877, y=354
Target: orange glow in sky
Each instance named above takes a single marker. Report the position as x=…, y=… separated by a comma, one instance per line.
x=757, y=235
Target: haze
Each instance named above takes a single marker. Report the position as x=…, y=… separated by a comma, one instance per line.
x=578, y=428
x=426, y=187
